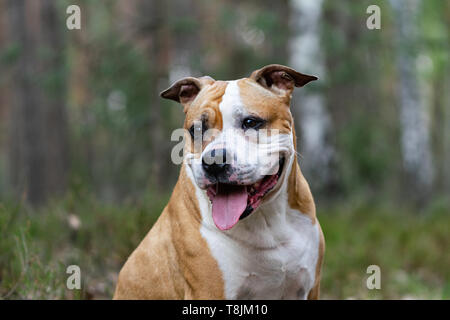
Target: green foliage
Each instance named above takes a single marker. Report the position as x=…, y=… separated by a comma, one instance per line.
x=38, y=245
x=117, y=123
x=365, y=164
x=409, y=249
x=10, y=54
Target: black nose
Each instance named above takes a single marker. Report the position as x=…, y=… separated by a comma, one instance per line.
x=214, y=161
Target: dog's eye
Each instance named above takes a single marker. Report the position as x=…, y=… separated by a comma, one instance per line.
x=197, y=130
x=252, y=123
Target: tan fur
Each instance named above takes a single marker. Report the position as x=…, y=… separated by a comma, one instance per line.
x=173, y=261
x=300, y=198
x=267, y=105
x=206, y=104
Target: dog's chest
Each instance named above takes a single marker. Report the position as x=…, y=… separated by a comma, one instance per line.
x=266, y=257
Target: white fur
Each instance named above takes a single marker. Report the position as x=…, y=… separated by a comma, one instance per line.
x=231, y=104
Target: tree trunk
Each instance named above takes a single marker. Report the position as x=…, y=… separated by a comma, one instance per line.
x=441, y=116
x=38, y=146
x=4, y=100
x=53, y=101
x=3, y=90
x=79, y=87
x=312, y=117
x=154, y=26
x=415, y=139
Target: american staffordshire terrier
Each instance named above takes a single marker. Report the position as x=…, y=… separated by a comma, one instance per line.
x=235, y=227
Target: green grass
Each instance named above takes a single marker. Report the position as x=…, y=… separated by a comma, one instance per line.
x=410, y=248
x=36, y=246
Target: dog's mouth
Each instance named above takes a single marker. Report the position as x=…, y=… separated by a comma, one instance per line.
x=231, y=202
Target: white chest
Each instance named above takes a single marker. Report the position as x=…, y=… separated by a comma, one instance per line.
x=271, y=254
x=268, y=255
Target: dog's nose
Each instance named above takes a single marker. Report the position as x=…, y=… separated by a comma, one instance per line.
x=214, y=162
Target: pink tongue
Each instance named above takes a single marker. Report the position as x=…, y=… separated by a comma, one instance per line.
x=228, y=204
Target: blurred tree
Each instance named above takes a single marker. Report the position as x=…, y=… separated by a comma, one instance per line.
x=4, y=95
x=38, y=126
x=353, y=97
x=311, y=116
x=3, y=44
x=153, y=18
x=435, y=30
x=3, y=34
x=415, y=139
x=185, y=42
x=79, y=89
x=351, y=138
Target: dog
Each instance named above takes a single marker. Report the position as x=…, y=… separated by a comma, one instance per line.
x=234, y=227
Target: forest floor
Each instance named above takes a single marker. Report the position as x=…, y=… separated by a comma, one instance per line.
x=36, y=247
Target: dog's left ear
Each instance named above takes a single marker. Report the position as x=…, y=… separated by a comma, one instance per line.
x=280, y=78
x=186, y=90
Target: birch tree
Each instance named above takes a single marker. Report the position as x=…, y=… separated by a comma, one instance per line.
x=312, y=116
x=415, y=141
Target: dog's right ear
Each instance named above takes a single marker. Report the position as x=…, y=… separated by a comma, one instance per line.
x=185, y=90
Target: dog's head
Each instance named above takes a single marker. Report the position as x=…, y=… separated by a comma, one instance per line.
x=238, y=136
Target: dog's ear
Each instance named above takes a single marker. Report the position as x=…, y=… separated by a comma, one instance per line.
x=280, y=78
x=185, y=90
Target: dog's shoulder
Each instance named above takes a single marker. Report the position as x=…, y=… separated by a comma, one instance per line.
x=141, y=276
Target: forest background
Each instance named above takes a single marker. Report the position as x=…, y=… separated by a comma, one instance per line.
x=85, y=143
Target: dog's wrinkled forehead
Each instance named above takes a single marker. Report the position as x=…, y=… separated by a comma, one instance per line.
x=264, y=97
x=224, y=105
x=206, y=106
